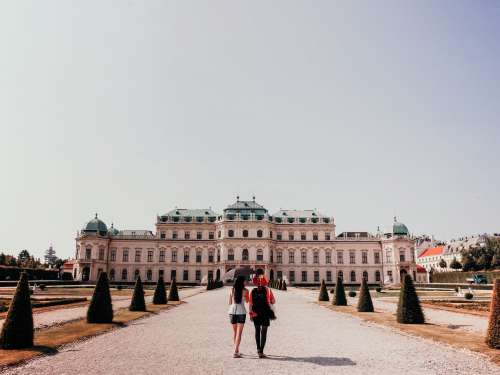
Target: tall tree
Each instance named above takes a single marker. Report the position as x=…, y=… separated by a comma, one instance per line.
x=101, y=309
x=409, y=310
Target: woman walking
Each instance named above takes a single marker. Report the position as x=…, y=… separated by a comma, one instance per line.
x=237, y=312
x=261, y=313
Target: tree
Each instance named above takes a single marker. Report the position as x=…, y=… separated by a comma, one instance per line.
x=17, y=330
x=409, y=310
x=3, y=259
x=469, y=264
x=442, y=263
x=50, y=256
x=455, y=264
x=484, y=262
x=323, y=293
x=495, y=261
x=339, y=298
x=173, y=293
x=365, y=303
x=160, y=296
x=493, y=332
x=23, y=258
x=138, y=303
x=101, y=309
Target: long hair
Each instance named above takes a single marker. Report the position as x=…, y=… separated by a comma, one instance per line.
x=238, y=286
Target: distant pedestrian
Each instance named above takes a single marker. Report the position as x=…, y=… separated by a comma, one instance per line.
x=261, y=312
x=237, y=312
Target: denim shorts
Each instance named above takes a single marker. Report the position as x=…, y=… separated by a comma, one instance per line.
x=237, y=318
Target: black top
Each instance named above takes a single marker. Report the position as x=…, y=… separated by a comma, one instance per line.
x=260, y=306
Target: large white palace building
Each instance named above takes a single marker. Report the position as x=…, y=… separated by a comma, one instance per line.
x=193, y=245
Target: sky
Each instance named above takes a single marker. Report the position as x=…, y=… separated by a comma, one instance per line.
x=364, y=110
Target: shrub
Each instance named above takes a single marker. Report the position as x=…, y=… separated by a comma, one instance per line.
x=100, y=309
x=378, y=289
x=160, y=296
x=138, y=303
x=283, y=285
x=17, y=330
x=119, y=287
x=468, y=295
x=173, y=293
x=352, y=293
x=409, y=310
x=339, y=296
x=323, y=294
x=365, y=303
x=493, y=332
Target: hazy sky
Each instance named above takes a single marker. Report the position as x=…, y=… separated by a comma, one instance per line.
x=364, y=110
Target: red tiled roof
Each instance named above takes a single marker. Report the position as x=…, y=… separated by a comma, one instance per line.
x=432, y=251
x=421, y=269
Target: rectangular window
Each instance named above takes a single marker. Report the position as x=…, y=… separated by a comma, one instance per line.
x=137, y=256
x=185, y=275
x=292, y=276
x=315, y=257
x=219, y=234
x=303, y=236
x=125, y=255
x=278, y=236
x=402, y=256
x=173, y=274
x=303, y=257
x=161, y=273
x=198, y=257
x=316, y=276
x=199, y=235
x=162, y=256
x=174, y=256
x=280, y=275
x=327, y=237
x=210, y=275
x=210, y=257
x=328, y=257
x=150, y=255
x=198, y=275
x=315, y=236
x=186, y=256
x=352, y=257
x=113, y=255
x=328, y=276
x=162, y=235
x=187, y=235
x=211, y=235
x=304, y=276
x=340, y=257
x=230, y=255
x=291, y=257
x=364, y=257
x=290, y=237
x=174, y=235
x=260, y=255
x=377, y=258
x=279, y=257
x=101, y=254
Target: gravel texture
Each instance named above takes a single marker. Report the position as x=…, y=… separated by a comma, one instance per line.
x=58, y=316
x=196, y=338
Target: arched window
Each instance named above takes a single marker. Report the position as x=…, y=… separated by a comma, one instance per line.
x=124, y=274
x=377, y=275
x=198, y=256
x=244, y=254
x=260, y=255
x=328, y=257
x=303, y=257
x=341, y=275
x=259, y=233
x=353, y=276
x=88, y=253
x=136, y=274
x=210, y=256
x=101, y=253
x=112, y=274
x=230, y=233
x=279, y=257
x=291, y=256
x=365, y=275
x=230, y=254
x=316, y=257
x=402, y=255
x=245, y=233
x=149, y=275
x=218, y=255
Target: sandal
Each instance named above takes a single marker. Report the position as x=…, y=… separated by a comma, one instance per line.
x=236, y=355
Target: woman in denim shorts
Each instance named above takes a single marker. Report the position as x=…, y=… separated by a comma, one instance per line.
x=238, y=312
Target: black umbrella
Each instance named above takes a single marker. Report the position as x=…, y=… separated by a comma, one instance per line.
x=235, y=272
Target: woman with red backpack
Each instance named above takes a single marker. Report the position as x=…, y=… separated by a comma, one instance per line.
x=261, y=312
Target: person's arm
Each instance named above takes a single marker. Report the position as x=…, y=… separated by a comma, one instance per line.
x=230, y=298
x=271, y=297
x=247, y=298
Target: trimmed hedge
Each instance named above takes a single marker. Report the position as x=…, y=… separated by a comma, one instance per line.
x=339, y=298
x=138, y=303
x=173, y=293
x=323, y=293
x=14, y=273
x=493, y=332
x=100, y=309
x=409, y=310
x=461, y=277
x=160, y=296
x=365, y=303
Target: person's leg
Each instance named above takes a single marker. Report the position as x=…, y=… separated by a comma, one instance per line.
x=257, y=336
x=239, y=331
x=263, y=337
x=235, y=329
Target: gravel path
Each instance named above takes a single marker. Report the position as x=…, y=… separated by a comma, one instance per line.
x=53, y=317
x=465, y=322
x=195, y=338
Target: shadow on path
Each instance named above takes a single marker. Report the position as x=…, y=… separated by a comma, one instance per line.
x=321, y=361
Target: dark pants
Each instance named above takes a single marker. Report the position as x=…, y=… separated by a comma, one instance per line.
x=260, y=337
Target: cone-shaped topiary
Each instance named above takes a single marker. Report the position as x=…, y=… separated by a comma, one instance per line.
x=323, y=293
x=173, y=294
x=17, y=331
x=339, y=298
x=100, y=309
x=493, y=332
x=160, y=296
x=365, y=303
x=409, y=310
x=283, y=285
x=138, y=303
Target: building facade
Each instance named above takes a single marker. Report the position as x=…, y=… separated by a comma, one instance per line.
x=193, y=245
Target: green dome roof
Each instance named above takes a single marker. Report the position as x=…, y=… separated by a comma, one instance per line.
x=399, y=229
x=113, y=231
x=96, y=226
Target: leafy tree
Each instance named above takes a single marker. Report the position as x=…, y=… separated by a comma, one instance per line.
x=493, y=332
x=23, y=258
x=442, y=263
x=138, y=303
x=323, y=293
x=409, y=310
x=173, y=293
x=160, y=296
x=339, y=298
x=455, y=264
x=101, y=309
x=365, y=303
x=469, y=264
x=17, y=331
x=484, y=262
x=3, y=259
